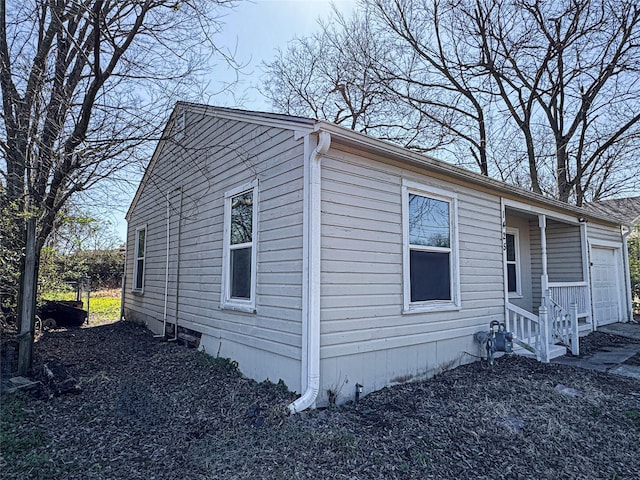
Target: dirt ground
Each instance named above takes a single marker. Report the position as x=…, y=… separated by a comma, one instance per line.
x=154, y=410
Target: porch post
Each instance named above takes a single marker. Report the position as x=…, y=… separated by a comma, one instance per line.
x=543, y=354
x=542, y=223
x=575, y=334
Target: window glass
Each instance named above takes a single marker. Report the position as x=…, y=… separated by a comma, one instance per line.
x=511, y=278
x=511, y=247
x=239, y=249
x=241, y=273
x=138, y=274
x=141, y=235
x=241, y=218
x=428, y=222
x=512, y=263
x=430, y=255
x=430, y=276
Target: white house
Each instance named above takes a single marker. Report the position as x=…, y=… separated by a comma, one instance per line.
x=310, y=253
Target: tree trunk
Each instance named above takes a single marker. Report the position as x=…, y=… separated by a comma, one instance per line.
x=484, y=163
x=562, y=172
x=531, y=156
x=27, y=298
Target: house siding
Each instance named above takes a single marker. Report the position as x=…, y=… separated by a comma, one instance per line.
x=564, y=252
x=599, y=232
x=365, y=337
x=524, y=301
x=536, y=264
x=221, y=155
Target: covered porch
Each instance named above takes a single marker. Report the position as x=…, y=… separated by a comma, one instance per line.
x=546, y=272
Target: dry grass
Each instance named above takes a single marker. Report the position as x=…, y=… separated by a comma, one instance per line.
x=158, y=410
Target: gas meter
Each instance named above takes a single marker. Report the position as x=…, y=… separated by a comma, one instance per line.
x=497, y=339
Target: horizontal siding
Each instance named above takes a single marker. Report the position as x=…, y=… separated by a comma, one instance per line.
x=564, y=252
x=365, y=337
x=361, y=296
x=599, y=232
x=220, y=155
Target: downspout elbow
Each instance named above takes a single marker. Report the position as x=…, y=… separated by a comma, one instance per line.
x=313, y=218
x=308, y=397
x=324, y=142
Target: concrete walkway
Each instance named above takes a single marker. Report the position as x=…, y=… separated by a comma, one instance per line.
x=623, y=360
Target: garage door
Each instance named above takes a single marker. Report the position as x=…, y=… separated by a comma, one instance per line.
x=606, y=287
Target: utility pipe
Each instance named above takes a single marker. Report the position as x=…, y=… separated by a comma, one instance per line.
x=166, y=272
x=175, y=330
x=123, y=283
x=313, y=219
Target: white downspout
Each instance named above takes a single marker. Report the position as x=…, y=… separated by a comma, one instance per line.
x=313, y=220
x=586, y=269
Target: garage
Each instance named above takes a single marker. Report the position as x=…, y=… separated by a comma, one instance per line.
x=606, y=288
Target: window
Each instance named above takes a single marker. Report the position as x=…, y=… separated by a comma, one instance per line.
x=138, y=267
x=513, y=261
x=430, y=251
x=239, y=256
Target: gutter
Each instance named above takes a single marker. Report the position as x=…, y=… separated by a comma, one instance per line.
x=312, y=220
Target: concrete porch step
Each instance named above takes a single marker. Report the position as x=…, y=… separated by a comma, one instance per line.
x=555, y=351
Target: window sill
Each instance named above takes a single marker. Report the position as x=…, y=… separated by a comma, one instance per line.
x=441, y=307
x=515, y=296
x=137, y=293
x=238, y=307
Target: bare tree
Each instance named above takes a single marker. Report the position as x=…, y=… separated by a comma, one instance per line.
x=544, y=94
x=329, y=76
x=84, y=85
x=569, y=68
x=564, y=73
x=434, y=72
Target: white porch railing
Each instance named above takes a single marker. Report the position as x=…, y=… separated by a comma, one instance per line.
x=538, y=333
x=564, y=323
x=527, y=331
x=566, y=294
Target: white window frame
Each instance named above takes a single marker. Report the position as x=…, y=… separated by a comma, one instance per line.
x=136, y=258
x=410, y=187
x=226, y=300
x=516, y=245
